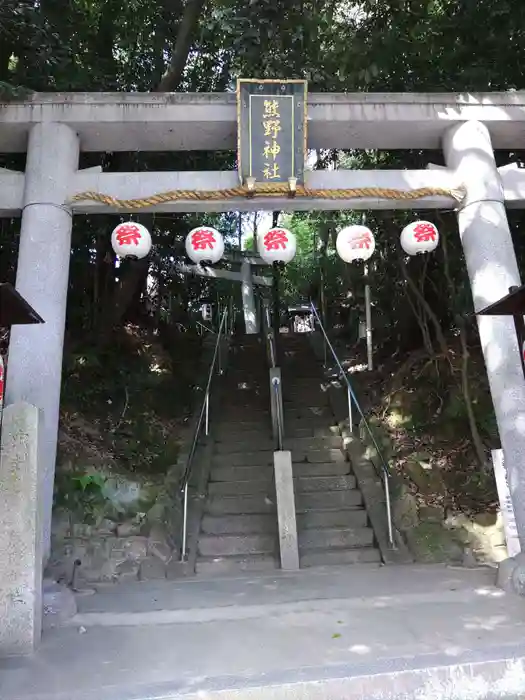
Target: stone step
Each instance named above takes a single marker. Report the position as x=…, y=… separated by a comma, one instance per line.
x=298, y=357
x=309, y=484
x=233, y=545
x=238, y=403
x=252, y=362
x=224, y=566
x=329, y=455
x=303, y=391
x=311, y=443
x=237, y=473
x=239, y=399
x=233, y=445
x=247, y=386
x=239, y=524
x=244, y=459
x=331, y=557
x=243, y=429
x=300, y=430
x=351, y=517
x=308, y=417
x=238, y=443
x=237, y=414
x=328, y=500
x=313, y=390
x=241, y=505
x=320, y=468
x=229, y=433
x=307, y=413
x=336, y=538
x=242, y=488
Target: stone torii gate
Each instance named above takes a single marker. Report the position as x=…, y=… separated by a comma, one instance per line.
x=54, y=128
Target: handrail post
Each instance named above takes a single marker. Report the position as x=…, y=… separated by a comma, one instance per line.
x=368, y=321
x=386, y=480
x=184, y=523
x=350, y=419
x=276, y=405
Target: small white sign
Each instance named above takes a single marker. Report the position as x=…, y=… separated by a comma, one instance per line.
x=505, y=502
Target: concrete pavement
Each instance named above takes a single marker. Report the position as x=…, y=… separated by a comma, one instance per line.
x=375, y=632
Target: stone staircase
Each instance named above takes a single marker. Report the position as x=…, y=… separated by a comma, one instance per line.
x=239, y=524
x=332, y=522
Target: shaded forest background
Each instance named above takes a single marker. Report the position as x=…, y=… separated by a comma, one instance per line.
x=132, y=346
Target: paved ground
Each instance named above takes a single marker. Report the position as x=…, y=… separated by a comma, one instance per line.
x=436, y=632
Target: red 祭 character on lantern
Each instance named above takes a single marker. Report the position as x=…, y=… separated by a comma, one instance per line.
x=203, y=239
x=363, y=240
x=355, y=243
x=424, y=232
x=204, y=244
x=128, y=234
x=131, y=240
x=419, y=237
x=277, y=245
x=275, y=238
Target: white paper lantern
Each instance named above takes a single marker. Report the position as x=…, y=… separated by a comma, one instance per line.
x=204, y=244
x=131, y=240
x=277, y=245
x=355, y=243
x=419, y=237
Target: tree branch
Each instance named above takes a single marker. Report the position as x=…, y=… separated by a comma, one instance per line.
x=173, y=77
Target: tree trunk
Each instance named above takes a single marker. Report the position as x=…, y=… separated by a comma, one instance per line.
x=172, y=78
x=137, y=270
x=440, y=336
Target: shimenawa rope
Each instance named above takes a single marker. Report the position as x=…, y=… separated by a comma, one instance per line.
x=266, y=190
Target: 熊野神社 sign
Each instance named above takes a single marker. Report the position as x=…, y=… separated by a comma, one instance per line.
x=271, y=124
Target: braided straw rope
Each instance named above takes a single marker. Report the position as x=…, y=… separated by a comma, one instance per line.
x=266, y=190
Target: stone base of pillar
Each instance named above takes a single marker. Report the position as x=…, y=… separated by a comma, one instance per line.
x=284, y=489
x=511, y=575
x=20, y=532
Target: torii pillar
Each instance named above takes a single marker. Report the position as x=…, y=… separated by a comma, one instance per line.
x=35, y=352
x=248, y=299
x=492, y=268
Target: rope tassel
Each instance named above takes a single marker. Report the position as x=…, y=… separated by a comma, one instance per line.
x=266, y=190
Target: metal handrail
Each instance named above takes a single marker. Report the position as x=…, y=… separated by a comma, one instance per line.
x=271, y=348
x=270, y=338
x=352, y=398
x=276, y=384
x=204, y=415
x=206, y=328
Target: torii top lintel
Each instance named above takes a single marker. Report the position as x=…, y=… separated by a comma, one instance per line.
x=208, y=121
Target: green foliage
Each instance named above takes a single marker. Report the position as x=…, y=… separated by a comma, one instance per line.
x=81, y=496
